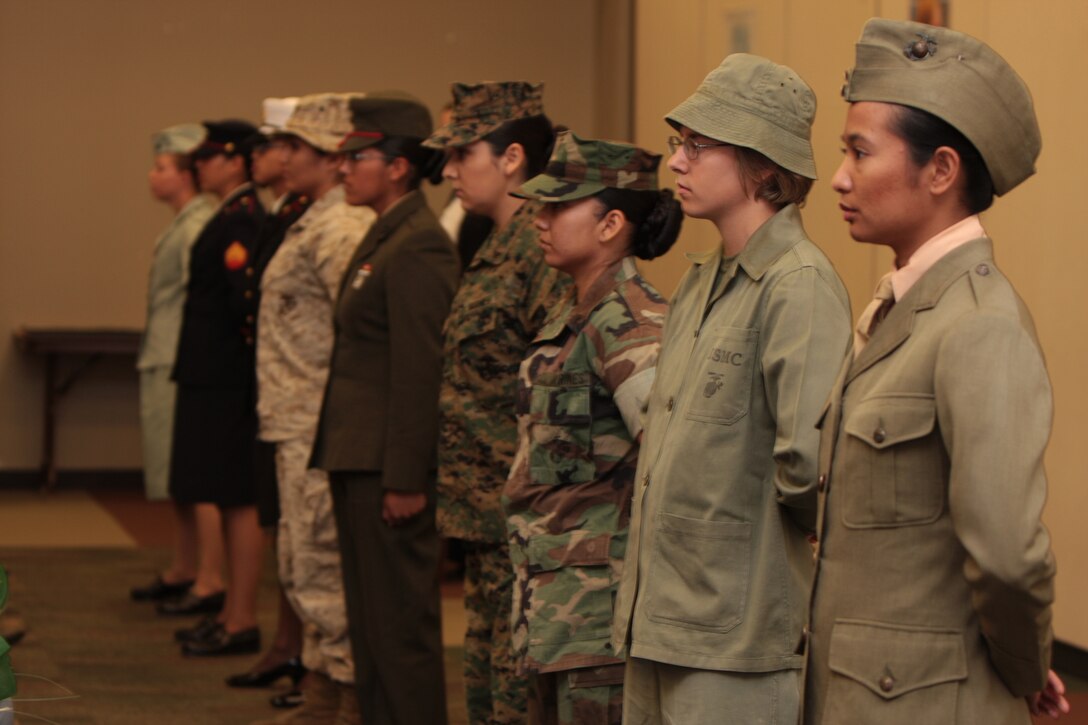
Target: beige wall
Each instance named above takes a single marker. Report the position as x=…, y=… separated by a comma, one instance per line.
x=1035, y=239
x=84, y=83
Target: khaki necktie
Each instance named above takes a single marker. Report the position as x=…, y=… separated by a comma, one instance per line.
x=874, y=314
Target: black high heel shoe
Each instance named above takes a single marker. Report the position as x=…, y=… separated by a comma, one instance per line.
x=263, y=678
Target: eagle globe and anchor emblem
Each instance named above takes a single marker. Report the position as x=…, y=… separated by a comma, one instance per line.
x=713, y=385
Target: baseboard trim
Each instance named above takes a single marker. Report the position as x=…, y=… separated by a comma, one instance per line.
x=1070, y=658
x=74, y=478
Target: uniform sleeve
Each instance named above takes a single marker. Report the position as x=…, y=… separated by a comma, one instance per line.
x=994, y=409
x=421, y=281
x=335, y=249
x=805, y=336
x=626, y=362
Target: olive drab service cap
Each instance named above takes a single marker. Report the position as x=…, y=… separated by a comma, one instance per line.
x=377, y=116
x=322, y=119
x=751, y=102
x=480, y=108
x=582, y=167
x=226, y=137
x=274, y=114
x=180, y=139
x=958, y=79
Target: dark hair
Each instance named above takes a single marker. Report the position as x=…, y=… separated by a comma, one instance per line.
x=924, y=133
x=535, y=134
x=656, y=215
x=425, y=163
x=771, y=182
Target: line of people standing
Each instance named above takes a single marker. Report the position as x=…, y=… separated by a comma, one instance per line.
x=666, y=517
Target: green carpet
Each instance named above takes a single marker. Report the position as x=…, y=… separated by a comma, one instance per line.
x=118, y=656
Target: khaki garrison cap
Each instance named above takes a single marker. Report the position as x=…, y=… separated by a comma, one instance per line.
x=582, y=167
x=751, y=102
x=958, y=79
x=180, y=139
x=480, y=108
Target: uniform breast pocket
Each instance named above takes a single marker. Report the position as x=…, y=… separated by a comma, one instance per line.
x=721, y=388
x=894, y=466
x=560, y=440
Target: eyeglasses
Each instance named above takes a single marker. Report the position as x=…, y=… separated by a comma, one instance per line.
x=362, y=155
x=691, y=146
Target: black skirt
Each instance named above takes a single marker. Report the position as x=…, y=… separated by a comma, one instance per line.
x=212, y=460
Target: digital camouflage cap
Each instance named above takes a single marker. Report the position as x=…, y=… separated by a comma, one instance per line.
x=322, y=119
x=480, y=108
x=958, y=79
x=582, y=167
x=377, y=116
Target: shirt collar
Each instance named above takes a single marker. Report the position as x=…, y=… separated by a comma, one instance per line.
x=770, y=241
x=933, y=250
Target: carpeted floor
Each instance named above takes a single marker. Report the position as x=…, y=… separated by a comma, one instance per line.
x=117, y=656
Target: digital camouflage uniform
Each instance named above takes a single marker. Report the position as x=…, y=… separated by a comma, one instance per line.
x=503, y=300
x=299, y=290
x=580, y=396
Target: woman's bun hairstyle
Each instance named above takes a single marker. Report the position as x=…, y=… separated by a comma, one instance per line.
x=656, y=215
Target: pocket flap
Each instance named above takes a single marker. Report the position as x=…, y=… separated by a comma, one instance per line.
x=578, y=548
x=894, y=660
x=886, y=421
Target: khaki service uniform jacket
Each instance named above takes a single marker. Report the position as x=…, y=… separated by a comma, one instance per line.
x=935, y=577
x=718, y=563
x=380, y=412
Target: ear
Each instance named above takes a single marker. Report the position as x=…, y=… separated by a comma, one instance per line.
x=611, y=226
x=398, y=169
x=513, y=160
x=944, y=170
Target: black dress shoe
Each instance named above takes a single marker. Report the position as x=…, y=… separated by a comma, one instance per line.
x=286, y=700
x=159, y=590
x=263, y=678
x=202, y=630
x=192, y=604
x=247, y=641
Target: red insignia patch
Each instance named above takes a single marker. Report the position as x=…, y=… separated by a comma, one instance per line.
x=236, y=256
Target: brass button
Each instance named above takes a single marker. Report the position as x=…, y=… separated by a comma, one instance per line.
x=249, y=319
x=879, y=435
x=250, y=272
x=982, y=270
x=249, y=294
x=887, y=682
x=249, y=341
x=668, y=405
x=821, y=483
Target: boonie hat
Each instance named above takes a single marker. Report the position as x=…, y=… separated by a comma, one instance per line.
x=225, y=137
x=480, y=108
x=958, y=79
x=582, y=167
x=180, y=139
x=751, y=102
x=275, y=112
x=377, y=116
x=322, y=119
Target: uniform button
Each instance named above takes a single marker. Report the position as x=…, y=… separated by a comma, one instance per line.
x=982, y=270
x=249, y=319
x=804, y=633
x=887, y=682
x=668, y=405
x=250, y=272
x=696, y=333
x=821, y=483
x=879, y=435
x=645, y=480
x=249, y=341
x=249, y=294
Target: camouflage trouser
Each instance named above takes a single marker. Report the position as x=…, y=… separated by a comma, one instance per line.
x=309, y=561
x=589, y=696
x=494, y=691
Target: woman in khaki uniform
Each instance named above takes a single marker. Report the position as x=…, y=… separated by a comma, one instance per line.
x=713, y=593
x=934, y=583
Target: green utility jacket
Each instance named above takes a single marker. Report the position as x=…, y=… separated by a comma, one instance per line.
x=718, y=563
x=932, y=595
